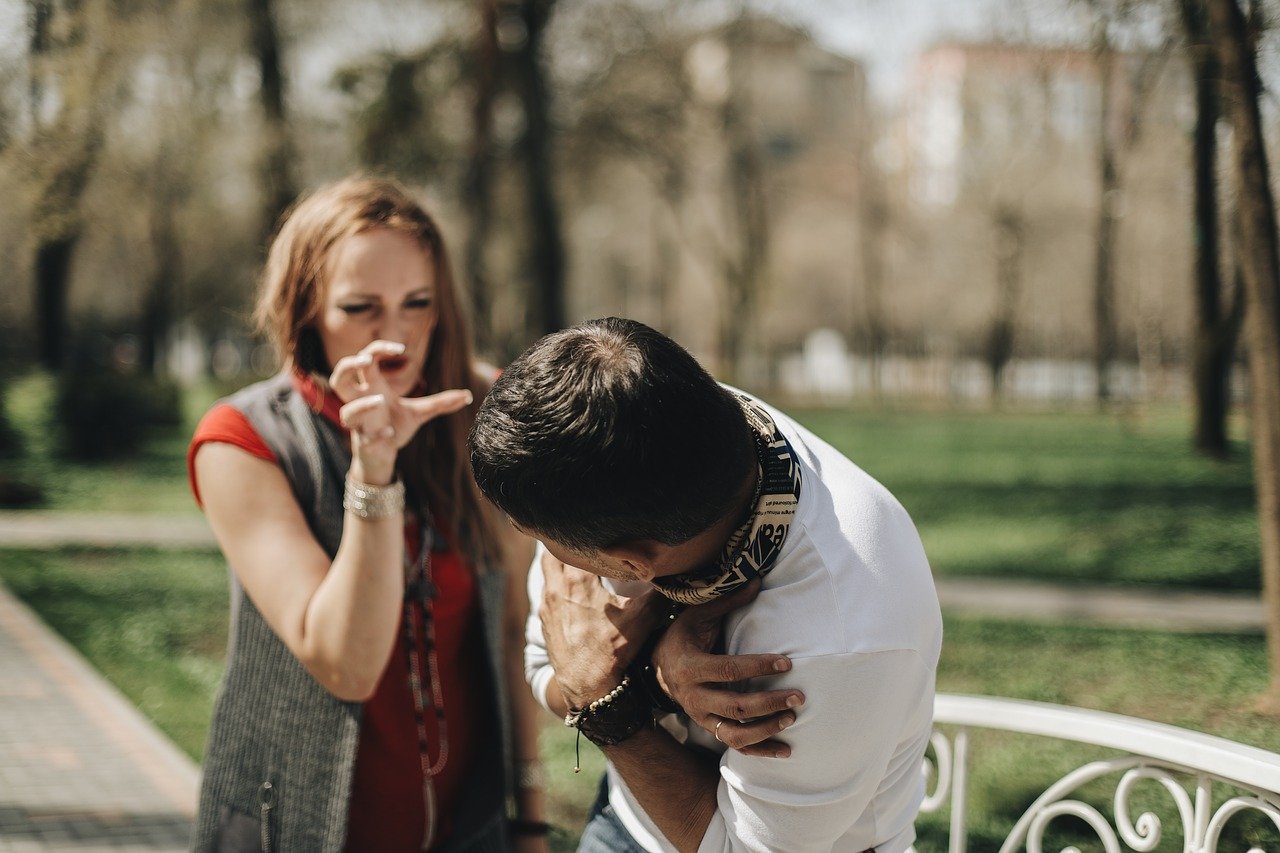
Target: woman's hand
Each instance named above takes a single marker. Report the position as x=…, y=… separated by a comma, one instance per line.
x=699, y=680
x=380, y=422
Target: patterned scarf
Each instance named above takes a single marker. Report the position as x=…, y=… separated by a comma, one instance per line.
x=754, y=547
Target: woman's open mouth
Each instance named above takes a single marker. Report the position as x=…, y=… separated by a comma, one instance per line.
x=393, y=365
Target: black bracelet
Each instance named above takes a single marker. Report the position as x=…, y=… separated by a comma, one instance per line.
x=528, y=828
x=645, y=675
x=614, y=717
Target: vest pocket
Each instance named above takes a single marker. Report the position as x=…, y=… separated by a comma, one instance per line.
x=244, y=833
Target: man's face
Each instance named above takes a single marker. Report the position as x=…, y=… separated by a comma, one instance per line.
x=601, y=563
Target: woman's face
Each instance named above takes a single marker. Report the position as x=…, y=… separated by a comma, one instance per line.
x=381, y=287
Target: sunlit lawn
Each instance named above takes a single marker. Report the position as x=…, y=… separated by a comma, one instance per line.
x=1072, y=496
x=155, y=622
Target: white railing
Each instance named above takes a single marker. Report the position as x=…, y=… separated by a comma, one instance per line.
x=1186, y=764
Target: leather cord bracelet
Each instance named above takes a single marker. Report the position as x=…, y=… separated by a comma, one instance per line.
x=611, y=719
x=528, y=828
x=645, y=676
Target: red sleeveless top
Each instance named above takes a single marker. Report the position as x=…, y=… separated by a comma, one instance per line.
x=387, y=811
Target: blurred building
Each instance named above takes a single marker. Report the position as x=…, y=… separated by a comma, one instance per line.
x=999, y=168
x=717, y=187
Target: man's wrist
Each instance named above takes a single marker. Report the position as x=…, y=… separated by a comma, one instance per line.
x=614, y=717
x=644, y=672
x=580, y=695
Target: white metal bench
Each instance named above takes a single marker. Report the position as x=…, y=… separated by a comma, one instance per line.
x=1186, y=764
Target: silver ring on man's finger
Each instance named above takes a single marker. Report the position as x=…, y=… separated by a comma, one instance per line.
x=716, y=732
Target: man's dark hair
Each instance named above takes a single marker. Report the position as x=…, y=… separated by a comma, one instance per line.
x=610, y=432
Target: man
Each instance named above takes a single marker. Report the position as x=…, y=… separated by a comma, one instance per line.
x=611, y=445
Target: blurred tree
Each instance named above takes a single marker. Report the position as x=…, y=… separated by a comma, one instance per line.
x=1009, y=236
x=679, y=105
x=73, y=50
x=168, y=191
x=1118, y=134
x=1235, y=40
x=279, y=181
x=410, y=106
x=478, y=183
x=633, y=110
x=1216, y=325
x=547, y=311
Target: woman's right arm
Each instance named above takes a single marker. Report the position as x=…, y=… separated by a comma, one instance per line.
x=339, y=619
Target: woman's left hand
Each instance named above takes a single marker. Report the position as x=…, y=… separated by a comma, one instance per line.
x=380, y=422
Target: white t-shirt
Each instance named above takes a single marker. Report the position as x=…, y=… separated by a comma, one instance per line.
x=851, y=601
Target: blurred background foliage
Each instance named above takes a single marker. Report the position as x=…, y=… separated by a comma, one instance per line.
x=1003, y=253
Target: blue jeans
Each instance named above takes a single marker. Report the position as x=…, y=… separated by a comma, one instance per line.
x=604, y=832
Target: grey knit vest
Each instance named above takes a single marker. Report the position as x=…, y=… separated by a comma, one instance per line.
x=281, y=752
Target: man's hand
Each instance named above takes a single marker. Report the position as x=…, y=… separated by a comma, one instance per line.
x=693, y=677
x=592, y=635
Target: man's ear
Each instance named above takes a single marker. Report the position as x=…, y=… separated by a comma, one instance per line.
x=640, y=554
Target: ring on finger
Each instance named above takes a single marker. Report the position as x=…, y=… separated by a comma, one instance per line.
x=716, y=731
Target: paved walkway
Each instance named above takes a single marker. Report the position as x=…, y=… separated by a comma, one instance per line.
x=41, y=529
x=82, y=770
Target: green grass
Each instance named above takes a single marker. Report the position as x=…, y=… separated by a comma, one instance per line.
x=154, y=481
x=1067, y=496
x=154, y=623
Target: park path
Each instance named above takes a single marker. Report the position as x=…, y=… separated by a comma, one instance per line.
x=81, y=769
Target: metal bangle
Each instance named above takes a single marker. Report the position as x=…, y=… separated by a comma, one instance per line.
x=371, y=502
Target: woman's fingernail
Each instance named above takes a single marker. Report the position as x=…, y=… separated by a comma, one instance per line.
x=785, y=722
x=782, y=753
x=794, y=701
x=470, y=397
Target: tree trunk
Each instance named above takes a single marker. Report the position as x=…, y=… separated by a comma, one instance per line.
x=1260, y=267
x=477, y=190
x=276, y=170
x=53, y=278
x=1108, y=197
x=547, y=257
x=64, y=149
x=747, y=260
x=39, y=16
x=1215, y=328
x=1009, y=229
x=158, y=304
x=872, y=226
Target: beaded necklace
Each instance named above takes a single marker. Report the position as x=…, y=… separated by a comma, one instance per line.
x=420, y=588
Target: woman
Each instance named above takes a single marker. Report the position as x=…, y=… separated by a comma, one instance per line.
x=365, y=702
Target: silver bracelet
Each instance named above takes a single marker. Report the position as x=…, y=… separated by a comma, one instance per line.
x=530, y=776
x=370, y=502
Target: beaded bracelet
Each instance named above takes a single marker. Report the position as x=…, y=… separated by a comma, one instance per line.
x=612, y=718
